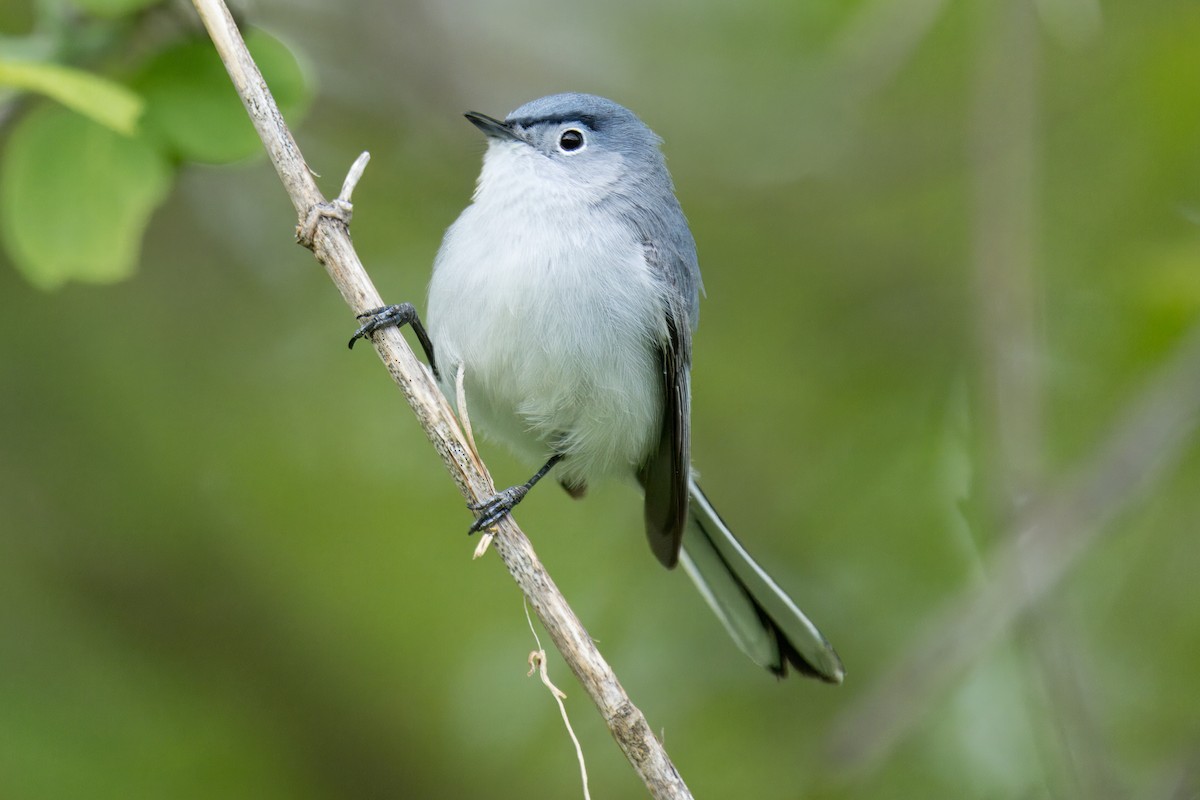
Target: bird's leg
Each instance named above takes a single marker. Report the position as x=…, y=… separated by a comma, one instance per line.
x=395, y=316
x=500, y=504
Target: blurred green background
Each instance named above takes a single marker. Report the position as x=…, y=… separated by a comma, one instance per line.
x=946, y=245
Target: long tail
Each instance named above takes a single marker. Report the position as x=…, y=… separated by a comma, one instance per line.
x=766, y=623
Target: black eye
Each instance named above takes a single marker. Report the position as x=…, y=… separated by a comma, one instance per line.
x=570, y=140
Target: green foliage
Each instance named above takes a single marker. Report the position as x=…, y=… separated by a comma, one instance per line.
x=17, y=17
x=77, y=194
x=76, y=198
x=114, y=8
x=192, y=105
x=105, y=101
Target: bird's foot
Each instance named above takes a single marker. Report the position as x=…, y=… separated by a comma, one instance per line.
x=384, y=317
x=496, y=507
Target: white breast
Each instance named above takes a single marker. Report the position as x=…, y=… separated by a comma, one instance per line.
x=550, y=307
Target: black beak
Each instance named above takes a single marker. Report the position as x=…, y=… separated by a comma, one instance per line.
x=492, y=128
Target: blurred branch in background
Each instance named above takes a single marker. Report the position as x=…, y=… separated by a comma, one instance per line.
x=323, y=227
x=876, y=44
x=1005, y=164
x=1051, y=529
x=1048, y=538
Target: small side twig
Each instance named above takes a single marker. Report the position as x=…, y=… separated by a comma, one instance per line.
x=464, y=419
x=330, y=243
x=537, y=662
x=340, y=208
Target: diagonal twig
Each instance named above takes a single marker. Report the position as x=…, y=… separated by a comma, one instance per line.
x=330, y=243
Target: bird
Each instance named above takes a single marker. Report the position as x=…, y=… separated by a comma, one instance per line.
x=567, y=292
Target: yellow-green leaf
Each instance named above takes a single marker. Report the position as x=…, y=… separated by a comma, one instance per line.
x=114, y=8
x=75, y=198
x=193, y=107
x=109, y=103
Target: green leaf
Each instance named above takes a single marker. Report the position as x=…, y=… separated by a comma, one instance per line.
x=113, y=8
x=75, y=198
x=17, y=19
x=104, y=101
x=193, y=107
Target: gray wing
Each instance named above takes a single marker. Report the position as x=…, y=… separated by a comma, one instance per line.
x=665, y=474
x=670, y=253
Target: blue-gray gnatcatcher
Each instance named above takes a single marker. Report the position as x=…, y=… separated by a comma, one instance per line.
x=568, y=291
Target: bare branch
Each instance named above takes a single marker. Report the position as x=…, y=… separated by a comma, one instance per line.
x=1045, y=527
x=1034, y=556
x=330, y=242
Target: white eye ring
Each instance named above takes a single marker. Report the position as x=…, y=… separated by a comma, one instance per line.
x=571, y=140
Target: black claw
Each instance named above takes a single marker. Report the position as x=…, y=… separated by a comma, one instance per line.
x=395, y=316
x=383, y=317
x=499, y=505
x=496, y=507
